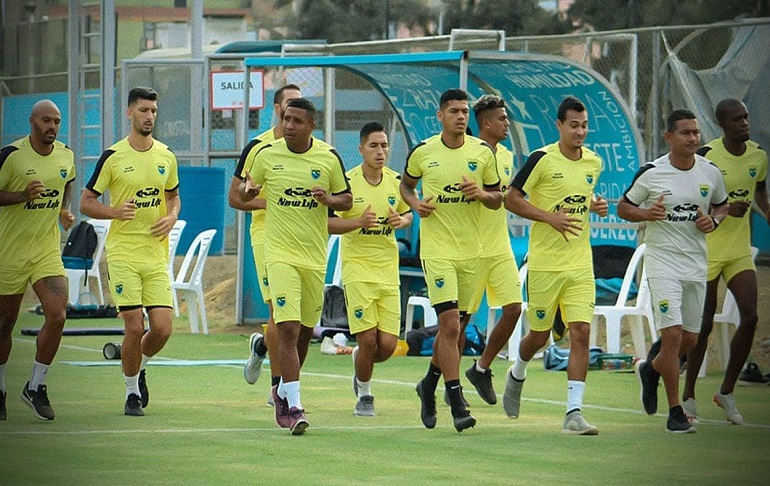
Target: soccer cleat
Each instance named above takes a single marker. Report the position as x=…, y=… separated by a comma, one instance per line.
x=464, y=420
x=365, y=406
x=648, y=379
x=482, y=382
x=281, y=408
x=427, y=407
x=752, y=375
x=143, y=391
x=253, y=367
x=691, y=411
x=462, y=395
x=677, y=423
x=575, y=424
x=727, y=403
x=38, y=402
x=297, y=421
x=3, y=410
x=133, y=406
x=512, y=394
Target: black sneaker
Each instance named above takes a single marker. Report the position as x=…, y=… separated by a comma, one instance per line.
x=677, y=423
x=143, y=391
x=464, y=420
x=751, y=374
x=427, y=407
x=38, y=402
x=482, y=382
x=462, y=395
x=648, y=379
x=3, y=410
x=134, y=406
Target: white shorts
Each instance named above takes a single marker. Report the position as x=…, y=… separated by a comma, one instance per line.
x=677, y=302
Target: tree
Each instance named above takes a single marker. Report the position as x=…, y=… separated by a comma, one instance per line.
x=515, y=17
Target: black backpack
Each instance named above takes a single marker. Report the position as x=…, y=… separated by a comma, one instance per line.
x=78, y=252
x=335, y=312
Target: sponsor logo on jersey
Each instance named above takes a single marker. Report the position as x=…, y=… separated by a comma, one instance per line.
x=454, y=197
x=575, y=204
x=148, y=193
x=739, y=193
x=299, y=197
x=50, y=201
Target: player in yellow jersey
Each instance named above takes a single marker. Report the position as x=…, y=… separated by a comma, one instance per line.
x=36, y=174
x=497, y=270
x=559, y=180
x=258, y=344
x=303, y=178
x=458, y=175
x=744, y=167
x=141, y=175
x=369, y=255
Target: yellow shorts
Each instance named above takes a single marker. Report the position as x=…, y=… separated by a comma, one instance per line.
x=573, y=291
x=137, y=284
x=499, y=276
x=298, y=293
x=259, y=264
x=14, y=281
x=730, y=268
x=372, y=305
x=677, y=302
x=451, y=280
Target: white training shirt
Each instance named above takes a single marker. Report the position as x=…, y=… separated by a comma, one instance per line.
x=675, y=246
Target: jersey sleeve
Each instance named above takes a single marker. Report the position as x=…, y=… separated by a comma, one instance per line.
x=529, y=175
x=638, y=191
x=258, y=167
x=413, y=168
x=5, y=171
x=719, y=196
x=763, y=168
x=491, y=176
x=102, y=177
x=246, y=160
x=338, y=182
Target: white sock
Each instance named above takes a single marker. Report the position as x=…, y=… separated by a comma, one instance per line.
x=145, y=359
x=519, y=370
x=292, y=393
x=364, y=387
x=132, y=384
x=575, y=394
x=39, y=370
x=280, y=391
x=3, y=367
x=479, y=368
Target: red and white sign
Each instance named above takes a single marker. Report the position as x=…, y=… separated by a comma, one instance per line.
x=227, y=90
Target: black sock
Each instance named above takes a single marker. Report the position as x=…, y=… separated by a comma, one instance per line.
x=455, y=397
x=430, y=382
x=275, y=380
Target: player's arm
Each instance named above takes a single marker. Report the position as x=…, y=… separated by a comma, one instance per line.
x=163, y=225
x=30, y=193
x=408, y=189
x=399, y=220
x=92, y=207
x=336, y=202
x=760, y=198
x=237, y=199
x=491, y=197
x=561, y=221
x=66, y=218
x=339, y=225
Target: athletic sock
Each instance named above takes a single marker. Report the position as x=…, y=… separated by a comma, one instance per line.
x=575, y=391
x=519, y=371
x=364, y=387
x=132, y=384
x=39, y=370
x=430, y=382
x=145, y=359
x=480, y=368
x=455, y=397
x=292, y=393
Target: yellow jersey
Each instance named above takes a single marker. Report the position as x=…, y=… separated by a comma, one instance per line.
x=494, y=222
x=246, y=164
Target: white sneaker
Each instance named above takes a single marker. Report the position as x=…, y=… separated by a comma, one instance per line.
x=575, y=424
x=253, y=367
x=691, y=411
x=512, y=394
x=727, y=403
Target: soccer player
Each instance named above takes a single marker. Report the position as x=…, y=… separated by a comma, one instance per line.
x=559, y=179
x=744, y=167
x=36, y=174
x=141, y=175
x=258, y=344
x=370, y=259
x=304, y=178
x=497, y=271
x=459, y=175
x=681, y=196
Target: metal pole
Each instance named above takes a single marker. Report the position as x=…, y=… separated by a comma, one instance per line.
x=73, y=95
x=655, y=108
x=108, y=73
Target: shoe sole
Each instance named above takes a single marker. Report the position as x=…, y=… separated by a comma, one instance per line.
x=465, y=423
x=691, y=430
x=591, y=431
x=300, y=427
x=358, y=413
x=431, y=420
x=133, y=413
x=641, y=387
x=26, y=401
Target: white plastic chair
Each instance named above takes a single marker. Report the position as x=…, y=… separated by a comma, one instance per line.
x=173, y=242
x=79, y=278
x=192, y=286
x=335, y=240
x=429, y=313
x=613, y=314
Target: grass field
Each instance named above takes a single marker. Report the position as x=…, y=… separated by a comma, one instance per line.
x=205, y=425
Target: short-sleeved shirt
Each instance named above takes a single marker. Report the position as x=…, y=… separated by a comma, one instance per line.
x=371, y=254
x=246, y=164
x=451, y=232
x=494, y=222
x=675, y=246
x=296, y=224
x=30, y=230
x=732, y=238
x=144, y=177
x=553, y=182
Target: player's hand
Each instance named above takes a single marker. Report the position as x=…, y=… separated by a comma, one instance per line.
x=66, y=218
x=163, y=226
x=395, y=220
x=368, y=219
x=126, y=211
x=737, y=209
x=320, y=195
x=704, y=222
x=600, y=206
x=564, y=223
x=657, y=212
x=470, y=189
x=33, y=190
x=250, y=188
x=424, y=208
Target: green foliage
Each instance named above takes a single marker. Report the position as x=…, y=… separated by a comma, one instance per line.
x=515, y=17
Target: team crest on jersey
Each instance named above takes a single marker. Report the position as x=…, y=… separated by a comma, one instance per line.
x=63, y=173
x=590, y=178
x=119, y=289
x=391, y=200
x=359, y=313
x=704, y=190
x=264, y=281
x=161, y=169
x=540, y=313
x=472, y=165
x=280, y=300
x=507, y=171
x=439, y=282
x=663, y=306
x=752, y=171
x=315, y=173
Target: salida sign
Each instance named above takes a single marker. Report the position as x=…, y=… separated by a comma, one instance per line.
x=227, y=90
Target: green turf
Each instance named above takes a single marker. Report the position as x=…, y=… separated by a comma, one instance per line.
x=205, y=425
